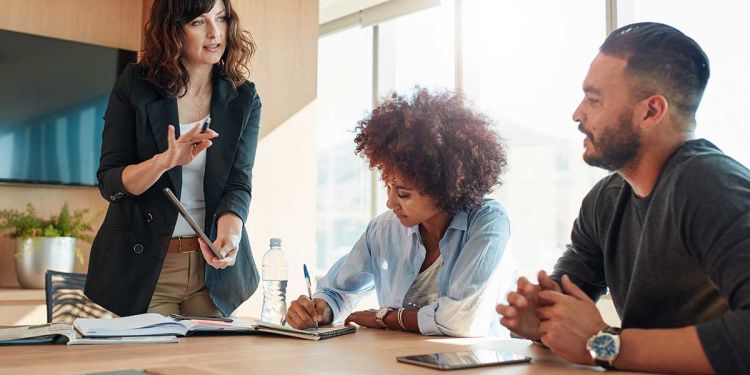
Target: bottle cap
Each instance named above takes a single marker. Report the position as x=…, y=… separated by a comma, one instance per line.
x=276, y=242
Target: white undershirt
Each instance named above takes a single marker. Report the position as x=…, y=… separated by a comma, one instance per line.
x=192, y=196
x=423, y=291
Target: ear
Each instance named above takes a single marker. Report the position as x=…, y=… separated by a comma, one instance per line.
x=651, y=111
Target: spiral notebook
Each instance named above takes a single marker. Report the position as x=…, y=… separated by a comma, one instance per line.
x=308, y=334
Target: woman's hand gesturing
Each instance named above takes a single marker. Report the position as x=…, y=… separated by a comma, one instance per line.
x=188, y=146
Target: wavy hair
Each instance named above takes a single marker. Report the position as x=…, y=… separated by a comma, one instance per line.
x=437, y=142
x=162, y=53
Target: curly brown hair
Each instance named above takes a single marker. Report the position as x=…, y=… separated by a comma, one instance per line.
x=162, y=53
x=437, y=142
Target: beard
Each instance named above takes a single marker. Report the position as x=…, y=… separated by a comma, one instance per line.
x=615, y=147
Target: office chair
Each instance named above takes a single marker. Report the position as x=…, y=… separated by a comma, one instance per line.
x=65, y=298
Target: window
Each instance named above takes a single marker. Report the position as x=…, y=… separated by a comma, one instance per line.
x=521, y=62
x=524, y=63
x=725, y=108
x=417, y=49
x=344, y=96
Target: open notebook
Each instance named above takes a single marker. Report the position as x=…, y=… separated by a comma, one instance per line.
x=59, y=333
x=155, y=324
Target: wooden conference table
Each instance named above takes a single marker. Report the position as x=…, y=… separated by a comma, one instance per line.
x=369, y=351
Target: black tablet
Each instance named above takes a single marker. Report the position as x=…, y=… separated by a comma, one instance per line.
x=196, y=228
x=466, y=359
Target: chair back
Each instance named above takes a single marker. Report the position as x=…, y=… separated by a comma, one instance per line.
x=66, y=301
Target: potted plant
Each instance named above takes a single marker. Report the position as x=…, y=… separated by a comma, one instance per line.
x=45, y=244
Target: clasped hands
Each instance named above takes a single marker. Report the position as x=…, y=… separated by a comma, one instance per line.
x=562, y=316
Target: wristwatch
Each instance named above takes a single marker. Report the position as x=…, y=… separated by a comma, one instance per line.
x=604, y=347
x=380, y=315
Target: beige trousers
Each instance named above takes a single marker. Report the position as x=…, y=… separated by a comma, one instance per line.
x=181, y=288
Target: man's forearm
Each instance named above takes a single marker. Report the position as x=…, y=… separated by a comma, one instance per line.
x=676, y=350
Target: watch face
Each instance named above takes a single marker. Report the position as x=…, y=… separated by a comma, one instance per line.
x=605, y=346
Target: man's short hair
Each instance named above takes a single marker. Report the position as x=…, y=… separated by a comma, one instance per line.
x=663, y=61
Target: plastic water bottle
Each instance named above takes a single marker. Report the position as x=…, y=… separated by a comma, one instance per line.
x=274, y=284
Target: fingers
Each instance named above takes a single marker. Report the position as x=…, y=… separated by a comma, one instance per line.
x=298, y=316
x=548, y=297
x=522, y=283
x=518, y=300
x=509, y=323
x=545, y=313
x=229, y=250
x=213, y=261
x=208, y=255
x=170, y=136
x=355, y=317
x=226, y=248
x=325, y=314
x=200, y=147
x=228, y=261
x=506, y=311
x=547, y=283
x=529, y=291
x=197, y=130
x=570, y=288
x=309, y=307
x=193, y=137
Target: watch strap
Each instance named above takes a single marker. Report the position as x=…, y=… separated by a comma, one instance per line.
x=613, y=330
x=604, y=364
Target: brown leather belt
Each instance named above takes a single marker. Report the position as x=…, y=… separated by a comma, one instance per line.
x=185, y=244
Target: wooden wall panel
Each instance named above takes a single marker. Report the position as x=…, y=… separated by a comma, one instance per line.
x=285, y=65
x=112, y=23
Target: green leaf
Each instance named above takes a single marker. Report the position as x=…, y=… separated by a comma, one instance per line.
x=65, y=224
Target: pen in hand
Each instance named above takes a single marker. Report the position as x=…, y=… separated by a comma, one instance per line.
x=309, y=292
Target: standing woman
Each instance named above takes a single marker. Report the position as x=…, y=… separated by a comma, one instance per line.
x=145, y=257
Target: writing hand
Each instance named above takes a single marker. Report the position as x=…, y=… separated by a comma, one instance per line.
x=303, y=312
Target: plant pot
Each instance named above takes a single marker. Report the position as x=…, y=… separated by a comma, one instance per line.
x=35, y=255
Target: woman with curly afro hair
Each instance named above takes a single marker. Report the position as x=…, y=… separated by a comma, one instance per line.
x=437, y=259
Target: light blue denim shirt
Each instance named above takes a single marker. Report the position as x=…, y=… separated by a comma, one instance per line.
x=477, y=271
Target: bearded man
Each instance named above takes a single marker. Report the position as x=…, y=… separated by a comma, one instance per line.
x=668, y=233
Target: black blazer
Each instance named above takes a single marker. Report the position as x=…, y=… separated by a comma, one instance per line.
x=129, y=248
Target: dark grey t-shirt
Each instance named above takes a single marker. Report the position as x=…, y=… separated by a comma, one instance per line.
x=677, y=258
